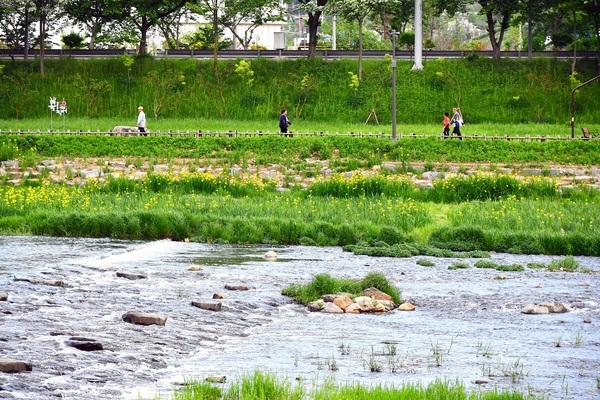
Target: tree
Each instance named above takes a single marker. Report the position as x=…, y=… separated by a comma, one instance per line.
x=354, y=10
x=498, y=14
x=314, y=9
x=145, y=14
x=93, y=15
x=253, y=12
x=43, y=9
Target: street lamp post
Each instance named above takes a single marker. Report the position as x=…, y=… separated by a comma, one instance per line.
x=394, y=33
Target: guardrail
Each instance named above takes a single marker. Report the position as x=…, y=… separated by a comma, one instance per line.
x=236, y=133
x=250, y=54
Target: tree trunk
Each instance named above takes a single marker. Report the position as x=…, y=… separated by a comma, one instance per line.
x=42, y=44
x=144, y=35
x=530, y=30
x=496, y=43
x=360, y=47
x=313, y=26
x=574, y=64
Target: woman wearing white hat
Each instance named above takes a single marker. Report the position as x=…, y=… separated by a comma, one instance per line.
x=141, y=121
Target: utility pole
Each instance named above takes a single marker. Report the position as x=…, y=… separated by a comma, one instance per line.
x=394, y=33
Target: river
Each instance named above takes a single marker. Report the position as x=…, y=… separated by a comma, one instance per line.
x=467, y=324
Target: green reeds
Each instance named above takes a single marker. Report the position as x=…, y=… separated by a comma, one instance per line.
x=268, y=386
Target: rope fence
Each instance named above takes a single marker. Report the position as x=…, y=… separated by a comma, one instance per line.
x=236, y=133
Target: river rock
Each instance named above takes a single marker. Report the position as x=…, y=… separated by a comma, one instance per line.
x=3, y=296
x=555, y=307
x=342, y=301
x=140, y=318
x=216, y=379
x=315, y=306
x=84, y=344
x=365, y=303
x=331, y=308
x=406, y=307
x=207, y=305
x=194, y=268
x=10, y=365
x=377, y=294
x=352, y=309
x=270, y=255
x=130, y=276
x=534, y=309
x=236, y=287
x=50, y=282
x=219, y=296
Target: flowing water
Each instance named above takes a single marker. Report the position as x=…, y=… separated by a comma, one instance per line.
x=467, y=324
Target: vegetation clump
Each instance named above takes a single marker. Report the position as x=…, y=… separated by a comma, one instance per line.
x=325, y=284
x=568, y=264
x=267, y=385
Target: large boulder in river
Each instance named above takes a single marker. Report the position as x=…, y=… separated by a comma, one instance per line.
x=377, y=294
x=10, y=365
x=544, y=308
x=140, y=318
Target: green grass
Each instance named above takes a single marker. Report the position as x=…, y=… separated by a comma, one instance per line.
x=385, y=220
x=490, y=130
x=268, y=386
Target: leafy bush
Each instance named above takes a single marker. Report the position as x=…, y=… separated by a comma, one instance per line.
x=425, y=263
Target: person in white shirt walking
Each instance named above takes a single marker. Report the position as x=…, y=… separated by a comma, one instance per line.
x=141, y=121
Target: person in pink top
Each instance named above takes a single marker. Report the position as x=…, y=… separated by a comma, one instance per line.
x=446, y=131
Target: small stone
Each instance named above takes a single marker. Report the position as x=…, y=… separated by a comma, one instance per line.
x=331, y=308
x=480, y=382
x=352, y=309
x=207, y=305
x=587, y=321
x=10, y=365
x=129, y=276
x=534, y=309
x=270, y=255
x=194, y=268
x=219, y=296
x=406, y=307
x=216, y=379
x=84, y=344
x=3, y=296
x=236, y=287
x=377, y=294
x=140, y=318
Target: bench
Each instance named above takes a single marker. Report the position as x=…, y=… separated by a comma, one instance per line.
x=587, y=134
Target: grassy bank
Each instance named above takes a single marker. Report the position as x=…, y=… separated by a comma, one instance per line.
x=497, y=213
x=314, y=91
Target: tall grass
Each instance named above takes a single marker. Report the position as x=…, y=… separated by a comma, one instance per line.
x=268, y=386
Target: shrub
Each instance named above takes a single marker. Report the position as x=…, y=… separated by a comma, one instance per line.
x=458, y=238
x=568, y=264
x=459, y=265
x=486, y=264
x=510, y=267
x=425, y=263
